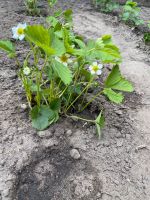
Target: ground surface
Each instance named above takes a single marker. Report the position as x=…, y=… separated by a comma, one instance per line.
x=117, y=167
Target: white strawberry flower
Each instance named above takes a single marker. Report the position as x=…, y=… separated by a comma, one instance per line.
x=96, y=68
x=18, y=31
x=64, y=59
x=26, y=71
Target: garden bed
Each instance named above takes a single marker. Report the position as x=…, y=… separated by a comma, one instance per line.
x=68, y=161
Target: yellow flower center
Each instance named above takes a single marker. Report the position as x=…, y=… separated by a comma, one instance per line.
x=95, y=68
x=20, y=31
x=64, y=58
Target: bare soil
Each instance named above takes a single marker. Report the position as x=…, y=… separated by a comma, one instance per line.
x=38, y=165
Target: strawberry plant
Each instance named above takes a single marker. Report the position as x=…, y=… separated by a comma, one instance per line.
x=60, y=69
x=147, y=38
x=32, y=7
x=106, y=6
x=131, y=13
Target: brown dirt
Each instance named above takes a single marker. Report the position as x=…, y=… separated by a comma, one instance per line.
x=38, y=166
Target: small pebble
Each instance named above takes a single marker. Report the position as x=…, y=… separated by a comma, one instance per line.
x=128, y=136
x=118, y=135
x=69, y=132
x=59, y=132
x=106, y=144
x=45, y=134
x=118, y=160
x=119, y=143
x=119, y=112
x=75, y=154
x=23, y=106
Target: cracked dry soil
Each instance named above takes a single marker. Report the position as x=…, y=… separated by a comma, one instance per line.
x=39, y=166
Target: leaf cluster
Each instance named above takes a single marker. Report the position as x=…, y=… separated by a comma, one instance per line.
x=107, y=6
x=131, y=13
x=32, y=7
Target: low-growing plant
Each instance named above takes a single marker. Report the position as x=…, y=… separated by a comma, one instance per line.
x=147, y=38
x=106, y=6
x=131, y=13
x=32, y=7
x=52, y=3
x=148, y=24
x=61, y=69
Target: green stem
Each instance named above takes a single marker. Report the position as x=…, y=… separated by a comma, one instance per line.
x=91, y=100
x=77, y=97
x=17, y=61
x=76, y=78
x=83, y=119
x=87, y=90
x=51, y=91
x=45, y=100
x=29, y=103
x=63, y=91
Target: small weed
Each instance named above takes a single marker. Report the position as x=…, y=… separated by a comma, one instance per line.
x=106, y=6
x=147, y=38
x=32, y=7
x=131, y=13
x=52, y=3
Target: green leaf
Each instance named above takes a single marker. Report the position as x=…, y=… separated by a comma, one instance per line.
x=40, y=36
x=52, y=20
x=68, y=15
x=123, y=85
x=99, y=123
x=55, y=104
x=110, y=54
x=114, y=77
x=113, y=96
x=67, y=42
x=7, y=46
x=100, y=119
x=52, y=2
x=131, y=3
x=58, y=13
x=86, y=75
x=103, y=50
x=58, y=45
x=107, y=39
x=49, y=72
x=62, y=71
x=42, y=117
x=80, y=43
x=117, y=82
x=34, y=88
x=126, y=16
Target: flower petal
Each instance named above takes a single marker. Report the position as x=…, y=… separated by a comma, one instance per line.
x=20, y=25
x=94, y=64
x=69, y=61
x=15, y=36
x=90, y=67
x=100, y=66
x=14, y=30
x=93, y=72
x=21, y=37
x=99, y=72
x=24, y=25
